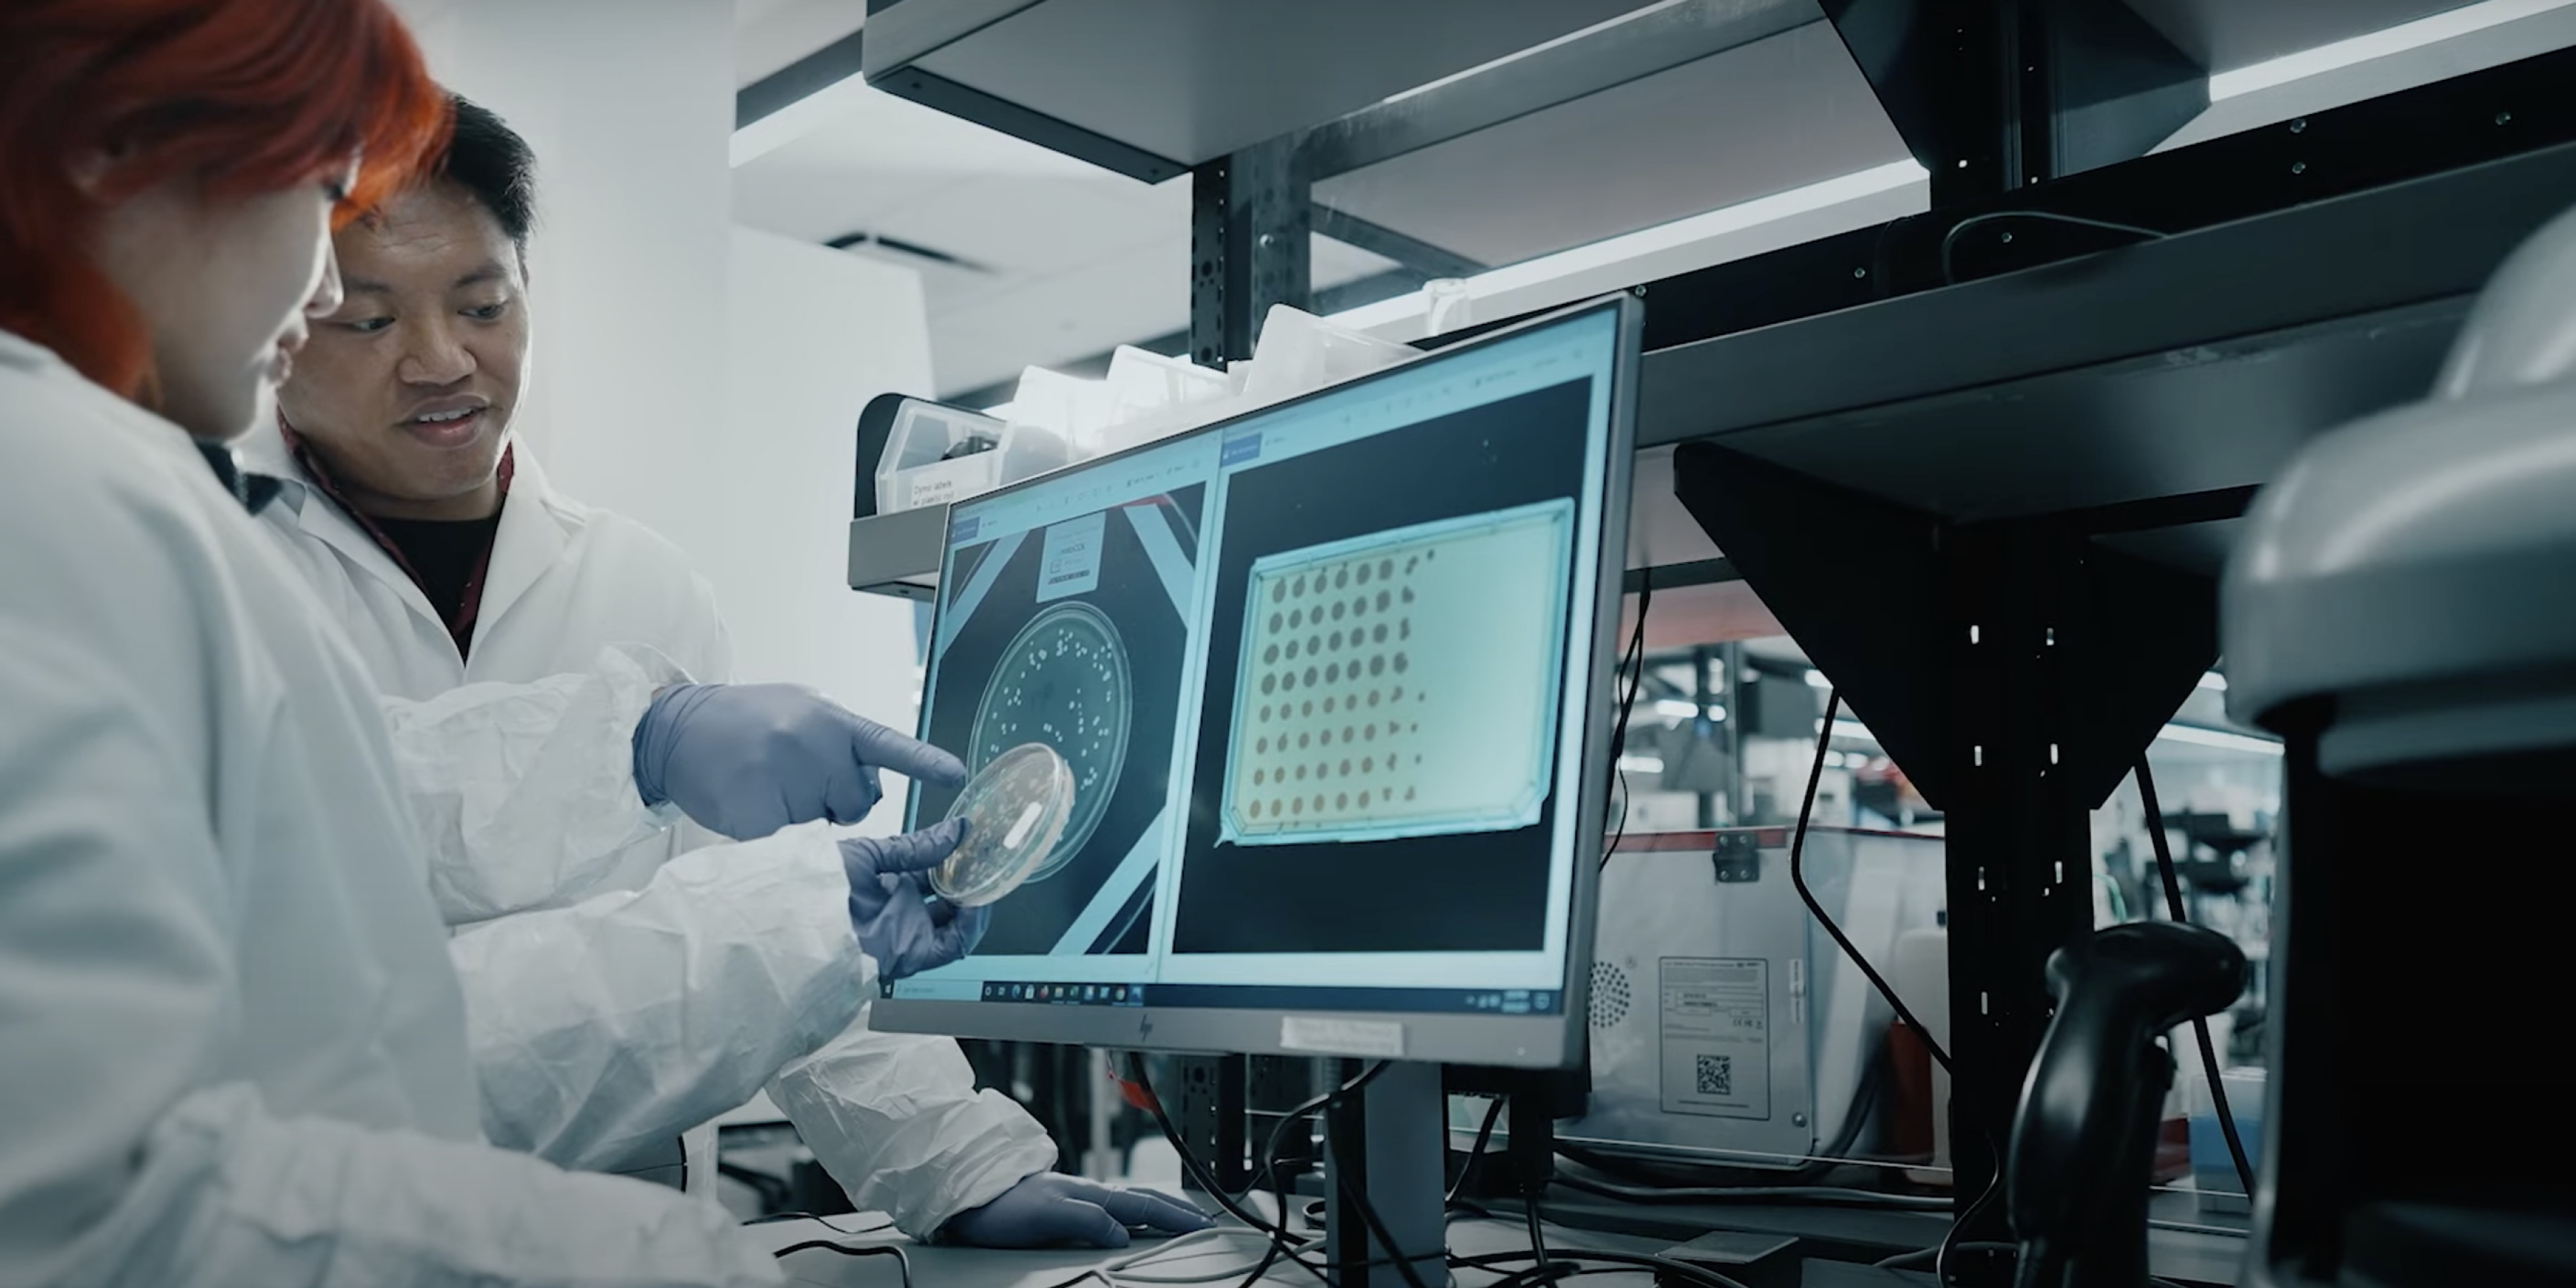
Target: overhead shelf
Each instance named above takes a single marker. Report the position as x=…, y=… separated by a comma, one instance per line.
x=1152, y=87
x=2192, y=364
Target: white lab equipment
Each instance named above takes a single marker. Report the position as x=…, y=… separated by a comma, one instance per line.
x=1300, y=353
x=1725, y=1024
x=1146, y=396
x=739, y=940
x=233, y=1047
x=936, y=454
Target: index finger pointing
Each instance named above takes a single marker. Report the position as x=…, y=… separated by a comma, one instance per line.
x=877, y=745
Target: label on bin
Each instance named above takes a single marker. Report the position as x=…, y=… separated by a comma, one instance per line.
x=943, y=481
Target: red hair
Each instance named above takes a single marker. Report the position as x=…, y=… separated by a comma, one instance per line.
x=245, y=96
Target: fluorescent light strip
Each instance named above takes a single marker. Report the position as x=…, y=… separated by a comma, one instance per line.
x=1678, y=710
x=2213, y=680
x=2199, y=737
x=1508, y=59
x=1647, y=241
x=2378, y=44
x=1641, y=764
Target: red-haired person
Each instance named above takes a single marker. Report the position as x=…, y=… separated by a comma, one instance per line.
x=232, y=1046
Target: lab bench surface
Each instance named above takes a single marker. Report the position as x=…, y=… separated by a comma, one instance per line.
x=2189, y=1256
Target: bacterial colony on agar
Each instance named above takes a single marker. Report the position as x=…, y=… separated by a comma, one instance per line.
x=1341, y=732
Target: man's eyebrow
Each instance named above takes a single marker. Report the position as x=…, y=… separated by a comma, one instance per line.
x=492, y=271
x=364, y=286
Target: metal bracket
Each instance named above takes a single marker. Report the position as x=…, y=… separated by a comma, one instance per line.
x=1993, y=95
x=1250, y=247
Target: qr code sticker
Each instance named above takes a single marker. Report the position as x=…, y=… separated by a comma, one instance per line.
x=1716, y=1075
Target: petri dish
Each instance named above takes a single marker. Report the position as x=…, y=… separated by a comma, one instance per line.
x=1015, y=810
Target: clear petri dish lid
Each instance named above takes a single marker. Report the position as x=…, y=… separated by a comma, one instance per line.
x=1015, y=810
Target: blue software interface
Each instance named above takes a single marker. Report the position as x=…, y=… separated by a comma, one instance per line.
x=1320, y=674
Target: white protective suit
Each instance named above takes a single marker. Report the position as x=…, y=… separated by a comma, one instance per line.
x=587, y=1017
x=232, y=1047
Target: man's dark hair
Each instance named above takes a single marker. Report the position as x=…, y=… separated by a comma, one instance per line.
x=492, y=163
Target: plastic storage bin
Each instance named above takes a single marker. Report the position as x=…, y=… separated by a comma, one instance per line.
x=937, y=454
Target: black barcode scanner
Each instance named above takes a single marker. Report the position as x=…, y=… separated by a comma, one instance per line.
x=2083, y=1142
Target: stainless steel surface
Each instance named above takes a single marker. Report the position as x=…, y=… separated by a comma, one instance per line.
x=898, y=554
x=1654, y=40
x=1755, y=119
x=1191, y=81
x=2228, y=34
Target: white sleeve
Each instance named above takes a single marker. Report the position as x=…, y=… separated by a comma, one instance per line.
x=896, y=1119
x=526, y=790
x=622, y=1021
x=121, y=1164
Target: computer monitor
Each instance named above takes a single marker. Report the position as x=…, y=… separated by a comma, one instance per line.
x=1333, y=679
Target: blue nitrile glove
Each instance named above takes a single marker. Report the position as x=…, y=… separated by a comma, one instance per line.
x=745, y=760
x=900, y=922
x=1051, y=1208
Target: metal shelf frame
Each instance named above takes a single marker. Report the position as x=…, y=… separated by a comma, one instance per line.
x=1984, y=463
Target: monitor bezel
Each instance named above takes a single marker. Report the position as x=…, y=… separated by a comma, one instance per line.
x=1538, y=1040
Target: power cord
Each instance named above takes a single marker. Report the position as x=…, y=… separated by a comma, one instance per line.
x=1189, y=1162
x=2199, y=1024
x=1279, y=1134
x=901, y=1261
x=1269, y=1167
x=1950, y=1240
x=1568, y=1262
x=821, y=1220
x=1538, y=1241
x=1632, y=668
x=1798, y=878
x=1842, y=1196
x=1283, y=1237
x=1951, y=238
x=1476, y=1152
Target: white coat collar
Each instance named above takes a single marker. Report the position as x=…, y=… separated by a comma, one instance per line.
x=150, y=430
x=536, y=525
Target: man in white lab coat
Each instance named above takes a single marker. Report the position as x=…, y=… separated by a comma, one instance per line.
x=442, y=547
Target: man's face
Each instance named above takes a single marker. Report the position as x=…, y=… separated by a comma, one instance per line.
x=406, y=390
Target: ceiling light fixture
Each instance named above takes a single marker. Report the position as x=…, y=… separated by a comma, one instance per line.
x=2433, y=30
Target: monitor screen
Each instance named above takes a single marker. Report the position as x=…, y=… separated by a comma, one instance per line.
x=1328, y=679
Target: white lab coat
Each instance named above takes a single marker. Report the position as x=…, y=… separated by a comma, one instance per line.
x=232, y=1048
x=561, y=1021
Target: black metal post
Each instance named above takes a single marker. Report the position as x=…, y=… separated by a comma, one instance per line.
x=1250, y=247
x=2016, y=824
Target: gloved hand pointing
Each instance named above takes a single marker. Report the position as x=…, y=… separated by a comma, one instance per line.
x=1051, y=1208
x=745, y=760
x=900, y=922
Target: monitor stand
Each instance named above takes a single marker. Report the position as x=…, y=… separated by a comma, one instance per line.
x=1389, y=1143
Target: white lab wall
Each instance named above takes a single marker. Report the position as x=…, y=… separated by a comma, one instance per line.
x=813, y=334
x=702, y=380
x=629, y=105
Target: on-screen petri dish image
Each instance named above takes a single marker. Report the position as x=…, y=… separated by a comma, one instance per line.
x=1064, y=680
x=1015, y=810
